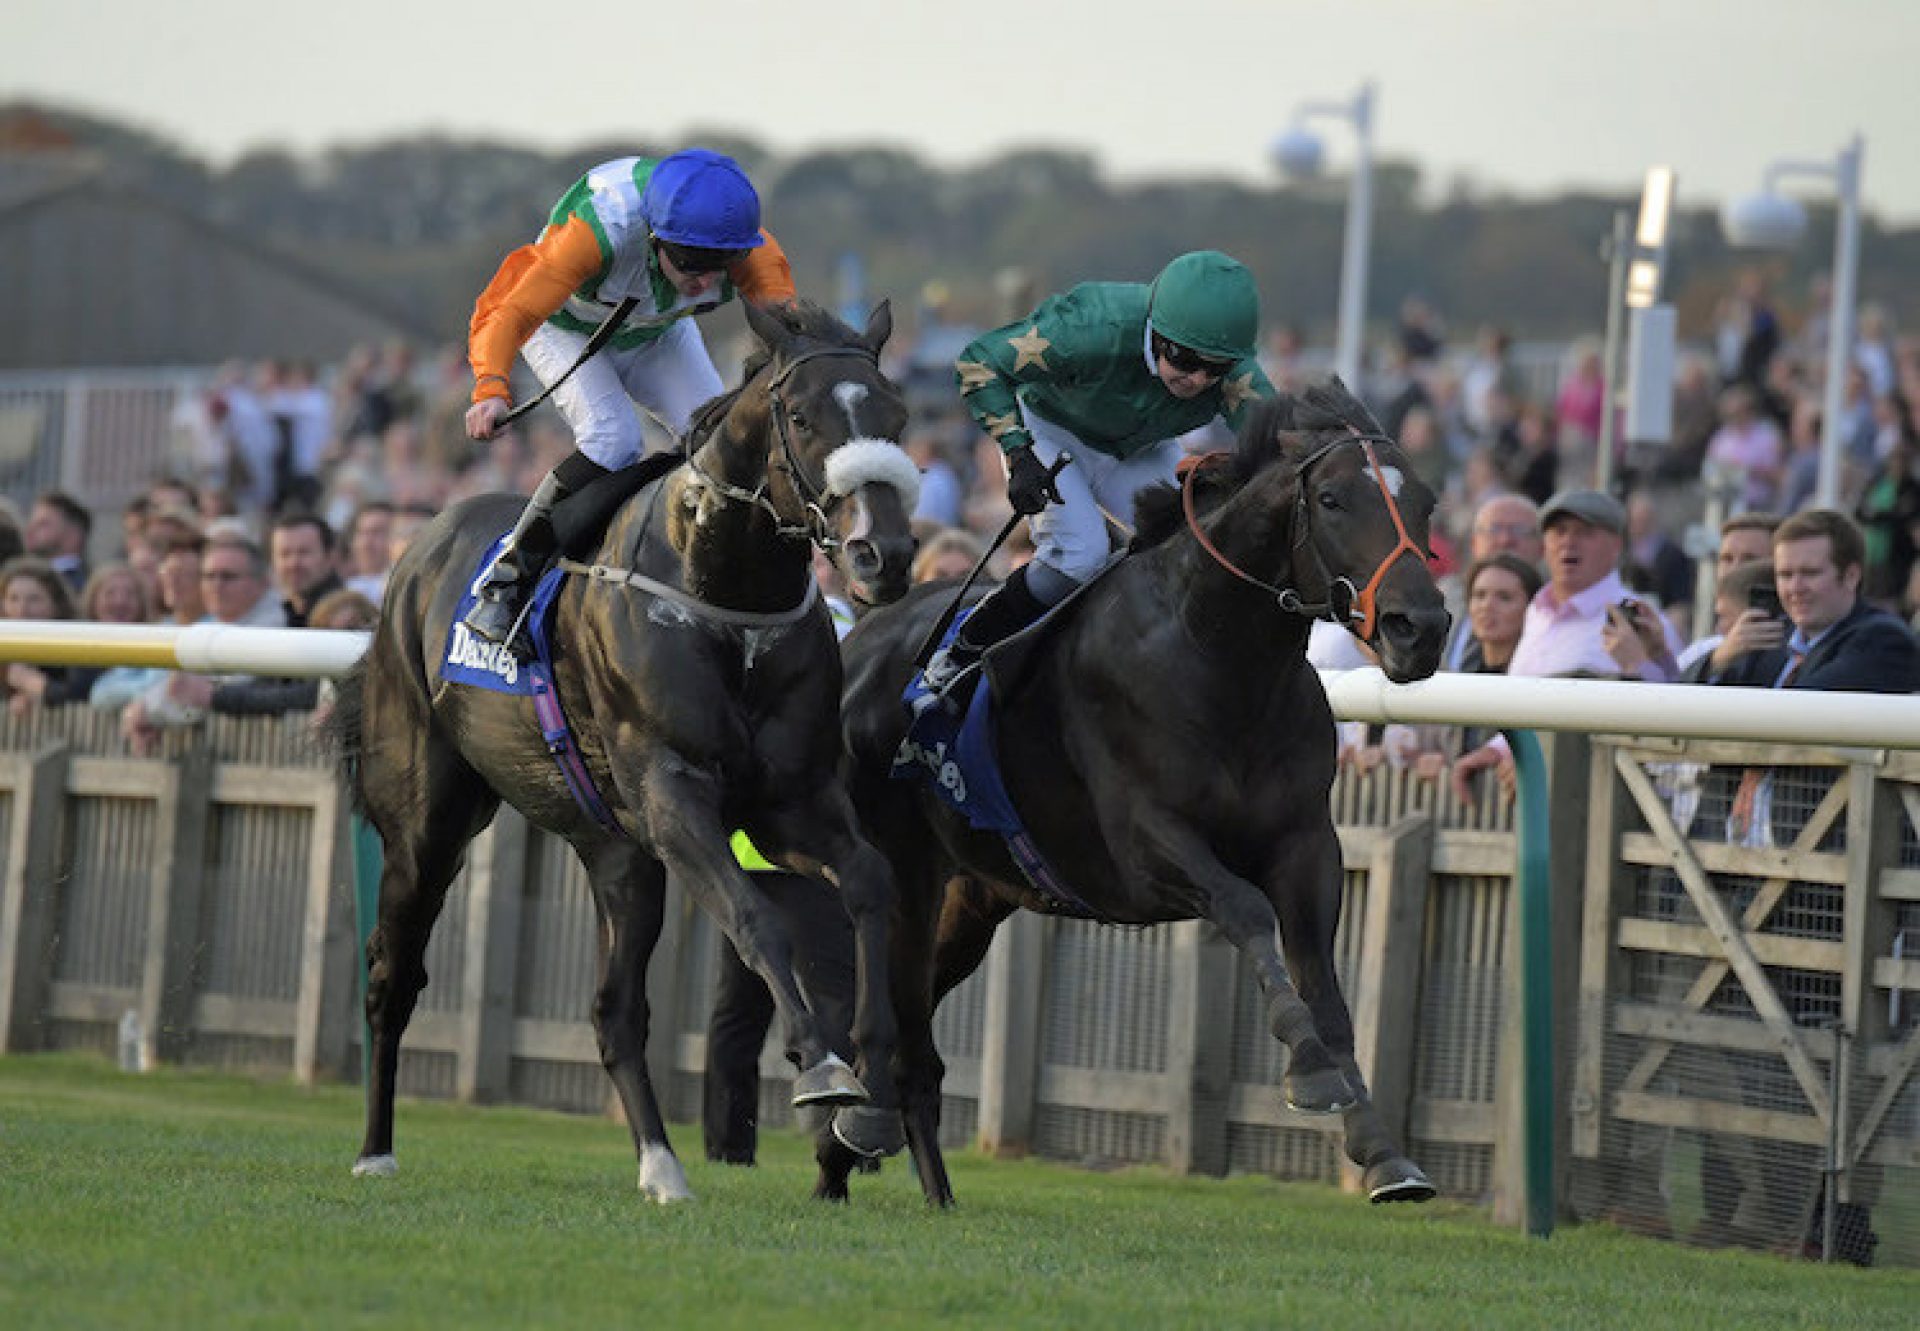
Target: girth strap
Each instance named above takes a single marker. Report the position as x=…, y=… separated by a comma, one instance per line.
x=746, y=619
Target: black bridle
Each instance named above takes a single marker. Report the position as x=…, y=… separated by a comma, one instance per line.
x=817, y=502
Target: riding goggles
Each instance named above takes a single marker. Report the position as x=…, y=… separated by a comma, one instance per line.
x=695, y=261
x=1188, y=361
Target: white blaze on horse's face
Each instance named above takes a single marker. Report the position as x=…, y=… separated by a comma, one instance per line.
x=850, y=396
x=1392, y=477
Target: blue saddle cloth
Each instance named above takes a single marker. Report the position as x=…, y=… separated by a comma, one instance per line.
x=955, y=755
x=472, y=660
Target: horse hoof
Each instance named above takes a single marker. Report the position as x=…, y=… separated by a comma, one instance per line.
x=828, y=1082
x=1322, y=1092
x=1398, y=1179
x=661, y=1178
x=868, y=1132
x=375, y=1166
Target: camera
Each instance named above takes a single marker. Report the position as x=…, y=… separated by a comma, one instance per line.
x=1764, y=598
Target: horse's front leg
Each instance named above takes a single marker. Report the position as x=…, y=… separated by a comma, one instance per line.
x=819, y=836
x=1306, y=891
x=681, y=815
x=1185, y=867
x=629, y=887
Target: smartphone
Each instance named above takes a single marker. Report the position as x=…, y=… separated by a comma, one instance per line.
x=1766, y=600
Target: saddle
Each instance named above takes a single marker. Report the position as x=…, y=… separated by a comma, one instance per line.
x=950, y=746
x=579, y=521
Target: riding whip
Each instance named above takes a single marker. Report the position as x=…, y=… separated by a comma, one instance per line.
x=932, y=643
x=601, y=336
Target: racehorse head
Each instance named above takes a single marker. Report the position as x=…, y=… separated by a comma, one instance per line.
x=835, y=468
x=1319, y=508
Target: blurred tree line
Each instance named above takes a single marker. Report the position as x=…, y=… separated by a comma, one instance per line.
x=425, y=219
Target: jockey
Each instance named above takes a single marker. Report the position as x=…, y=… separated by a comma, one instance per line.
x=680, y=235
x=1112, y=373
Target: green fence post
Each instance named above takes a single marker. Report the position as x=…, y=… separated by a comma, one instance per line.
x=366, y=909
x=1535, y=883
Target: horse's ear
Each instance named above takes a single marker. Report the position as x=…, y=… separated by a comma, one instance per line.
x=879, y=327
x=767, y=325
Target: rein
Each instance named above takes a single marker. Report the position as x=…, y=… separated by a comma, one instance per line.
x=817, y=526
x=1361, y=611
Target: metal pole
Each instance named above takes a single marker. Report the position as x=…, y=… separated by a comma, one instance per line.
x=1618, y=250
x=1353, y=258
x=1846, y=282
x=1534, y=882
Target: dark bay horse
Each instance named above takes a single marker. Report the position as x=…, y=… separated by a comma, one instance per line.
x=701, y=675
x=1169, y=747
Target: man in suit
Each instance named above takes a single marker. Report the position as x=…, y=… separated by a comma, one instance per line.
x=1838, y=641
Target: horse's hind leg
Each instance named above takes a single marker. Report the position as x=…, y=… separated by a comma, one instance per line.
x=630, y=887
x=1309, y=910
x=424, y=837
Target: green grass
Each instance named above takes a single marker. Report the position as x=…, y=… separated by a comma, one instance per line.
x=184, y=1199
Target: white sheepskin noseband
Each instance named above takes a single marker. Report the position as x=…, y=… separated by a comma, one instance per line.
x=861, y=462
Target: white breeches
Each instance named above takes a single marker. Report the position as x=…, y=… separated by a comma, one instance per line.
x=671, y=377
x=1070, y=537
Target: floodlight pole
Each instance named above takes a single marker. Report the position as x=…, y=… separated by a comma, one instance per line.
x=1357, y=236
x=1620, y=249
x=1844, y=171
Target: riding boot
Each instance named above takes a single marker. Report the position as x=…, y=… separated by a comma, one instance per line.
x=1008, y=609
x=525, y=554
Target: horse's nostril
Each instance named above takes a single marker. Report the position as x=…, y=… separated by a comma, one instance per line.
x=864, y=558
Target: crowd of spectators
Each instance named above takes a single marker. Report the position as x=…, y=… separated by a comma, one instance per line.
x=294, y=491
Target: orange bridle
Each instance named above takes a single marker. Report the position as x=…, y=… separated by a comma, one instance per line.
x=1361, y=615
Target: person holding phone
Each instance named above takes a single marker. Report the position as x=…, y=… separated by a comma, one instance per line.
x=1747, y=617
x=1829, y=637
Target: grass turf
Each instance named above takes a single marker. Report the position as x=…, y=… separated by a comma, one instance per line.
x=189, y=1199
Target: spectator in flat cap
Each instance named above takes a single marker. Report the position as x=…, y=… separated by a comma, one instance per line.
x=1584, y=532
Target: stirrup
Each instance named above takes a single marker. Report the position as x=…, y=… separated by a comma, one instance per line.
x=497, y=620
x=947, y=667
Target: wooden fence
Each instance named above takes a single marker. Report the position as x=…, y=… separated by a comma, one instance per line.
x=208, y=890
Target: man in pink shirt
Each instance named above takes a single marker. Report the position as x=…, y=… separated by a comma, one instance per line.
x=1584, y=532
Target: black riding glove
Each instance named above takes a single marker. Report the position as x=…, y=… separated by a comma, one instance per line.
x=1030, y=486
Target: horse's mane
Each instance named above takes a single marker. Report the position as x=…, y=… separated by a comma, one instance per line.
x=1323, y=407
x=801, y=318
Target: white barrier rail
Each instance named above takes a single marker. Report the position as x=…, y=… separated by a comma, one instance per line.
x=1688, y=711
x=208, y=649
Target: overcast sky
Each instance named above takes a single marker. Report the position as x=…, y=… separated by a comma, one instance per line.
x=1522, y=96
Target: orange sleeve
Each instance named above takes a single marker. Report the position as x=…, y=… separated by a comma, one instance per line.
x=764, y=276
x=533, y=282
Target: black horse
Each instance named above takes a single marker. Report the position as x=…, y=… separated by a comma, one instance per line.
x=1169, y=747
x=701, y=674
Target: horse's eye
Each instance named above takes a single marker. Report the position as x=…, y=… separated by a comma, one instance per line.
x=1328, y=499
x=799, y=421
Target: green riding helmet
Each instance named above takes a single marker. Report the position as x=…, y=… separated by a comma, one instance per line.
x=1206, y=301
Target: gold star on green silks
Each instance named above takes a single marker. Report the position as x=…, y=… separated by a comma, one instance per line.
x=1237, y=391
x=997, y=426
x=1032, y=349
x=974, y=376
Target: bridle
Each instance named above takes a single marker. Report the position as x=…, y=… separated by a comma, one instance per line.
x=818, y=502
x=1357, y=608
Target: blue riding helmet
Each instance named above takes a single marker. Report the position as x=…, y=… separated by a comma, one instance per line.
x=702, y=199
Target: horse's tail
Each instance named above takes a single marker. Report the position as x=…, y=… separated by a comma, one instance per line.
x=344, y=729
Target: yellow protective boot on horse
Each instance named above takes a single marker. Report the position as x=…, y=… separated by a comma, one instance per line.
x=503, y=588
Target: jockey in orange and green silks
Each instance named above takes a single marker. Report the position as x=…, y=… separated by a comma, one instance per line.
x=681, y=235
x=1111, y=373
